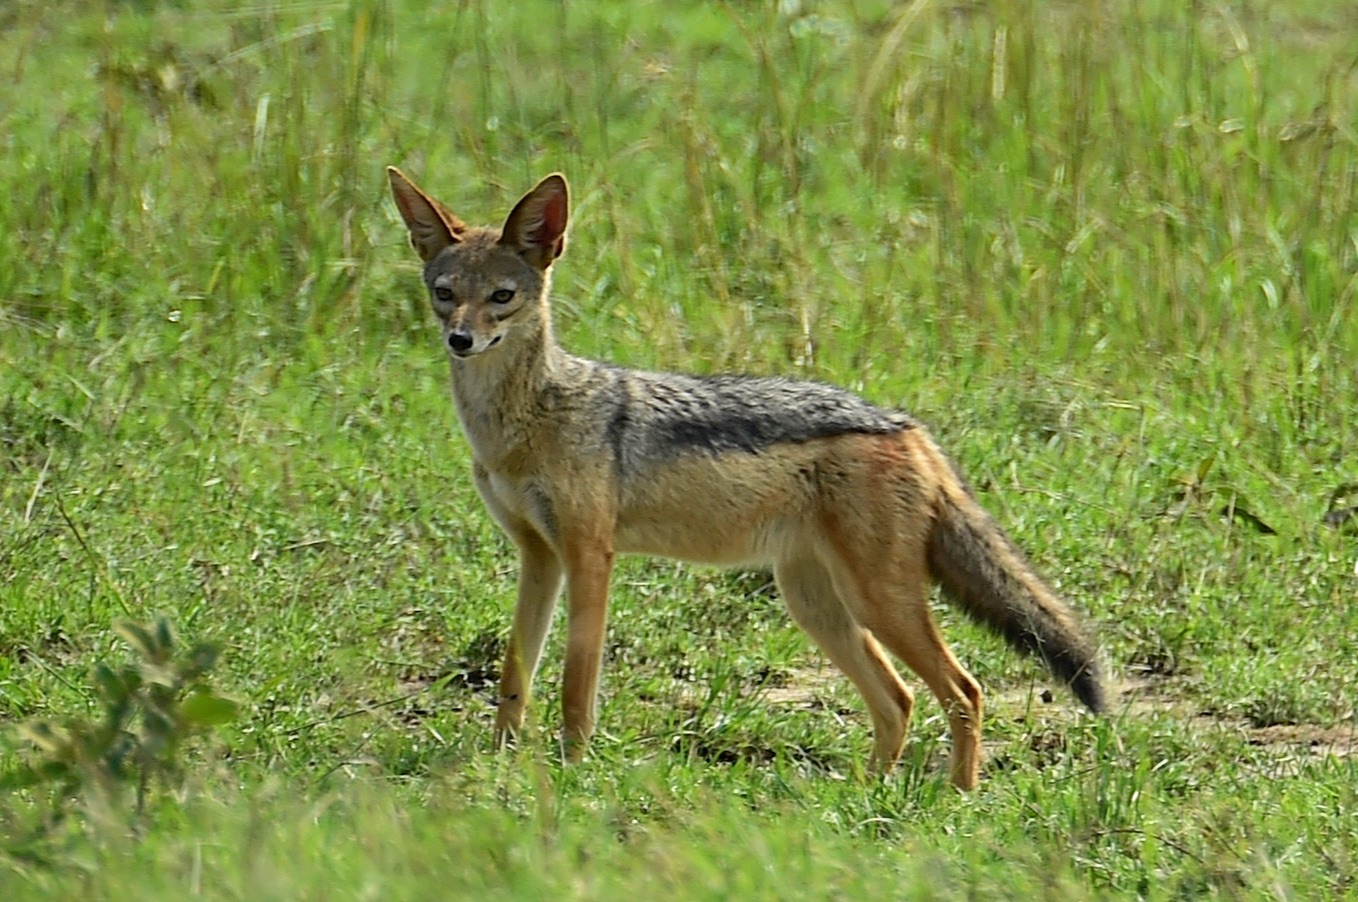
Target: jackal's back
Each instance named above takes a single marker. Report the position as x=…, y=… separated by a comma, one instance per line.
x=663, y=416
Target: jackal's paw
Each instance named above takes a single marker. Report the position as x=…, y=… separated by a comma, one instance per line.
x=574, y=749
x=506, y=736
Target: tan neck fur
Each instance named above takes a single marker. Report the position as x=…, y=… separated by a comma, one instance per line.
x=498, y=393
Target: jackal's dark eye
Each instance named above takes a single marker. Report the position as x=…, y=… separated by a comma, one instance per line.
x=502, y=295
x=443, y=293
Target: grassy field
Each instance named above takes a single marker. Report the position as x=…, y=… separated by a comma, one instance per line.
x=1108, y=251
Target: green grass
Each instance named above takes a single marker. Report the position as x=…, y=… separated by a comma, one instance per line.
x=1108, y=251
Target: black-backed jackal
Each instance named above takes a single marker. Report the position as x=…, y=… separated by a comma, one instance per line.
x=854, y=508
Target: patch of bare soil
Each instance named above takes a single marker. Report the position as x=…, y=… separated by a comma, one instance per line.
x=1149, y=698
x=804, y=687
x=1322, y=742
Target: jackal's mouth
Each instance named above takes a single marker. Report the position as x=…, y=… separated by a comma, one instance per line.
x=469, y=352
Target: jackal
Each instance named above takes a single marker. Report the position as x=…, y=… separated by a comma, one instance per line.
x=854, y=508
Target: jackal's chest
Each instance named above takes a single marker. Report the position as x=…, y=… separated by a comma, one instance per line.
x=511, y=499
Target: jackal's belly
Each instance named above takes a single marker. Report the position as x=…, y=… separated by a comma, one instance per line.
x=731, y=510
x=731, y=544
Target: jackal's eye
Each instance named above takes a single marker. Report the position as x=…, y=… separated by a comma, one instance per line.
x=443, y=293
x=502, y=295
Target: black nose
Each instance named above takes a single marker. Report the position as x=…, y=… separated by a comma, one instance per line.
x=460, y=341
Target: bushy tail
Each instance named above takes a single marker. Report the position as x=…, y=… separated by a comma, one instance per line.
x=982, y=570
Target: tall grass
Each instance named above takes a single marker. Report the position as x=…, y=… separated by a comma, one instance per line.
x=1129, y=170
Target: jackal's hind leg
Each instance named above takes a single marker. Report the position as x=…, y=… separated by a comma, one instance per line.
x=815, y=605
x=893, y=602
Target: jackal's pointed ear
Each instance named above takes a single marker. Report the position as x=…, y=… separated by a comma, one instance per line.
x=432, y=227
x=536, y=227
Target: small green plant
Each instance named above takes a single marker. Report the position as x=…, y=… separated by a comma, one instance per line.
x=150, y=706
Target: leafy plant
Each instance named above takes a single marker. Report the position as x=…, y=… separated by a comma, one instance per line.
x=150, y=708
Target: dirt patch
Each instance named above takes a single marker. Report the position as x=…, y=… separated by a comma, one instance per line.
x=1149, y=698
x=804, y=687
x=1321, y=742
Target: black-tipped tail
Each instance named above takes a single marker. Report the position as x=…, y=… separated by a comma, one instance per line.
x=982, y=570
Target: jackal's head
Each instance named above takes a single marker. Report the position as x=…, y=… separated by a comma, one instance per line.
x=485, y=284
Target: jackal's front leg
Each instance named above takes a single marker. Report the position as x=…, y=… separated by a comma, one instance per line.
x=540, y=574
x=589, y=564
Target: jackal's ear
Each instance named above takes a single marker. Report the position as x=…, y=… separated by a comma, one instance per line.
x=536, y=227
x=432, y=227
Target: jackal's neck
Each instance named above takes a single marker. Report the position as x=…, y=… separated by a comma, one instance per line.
x=500, y=393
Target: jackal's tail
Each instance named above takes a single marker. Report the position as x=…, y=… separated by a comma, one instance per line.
x=982, y=570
